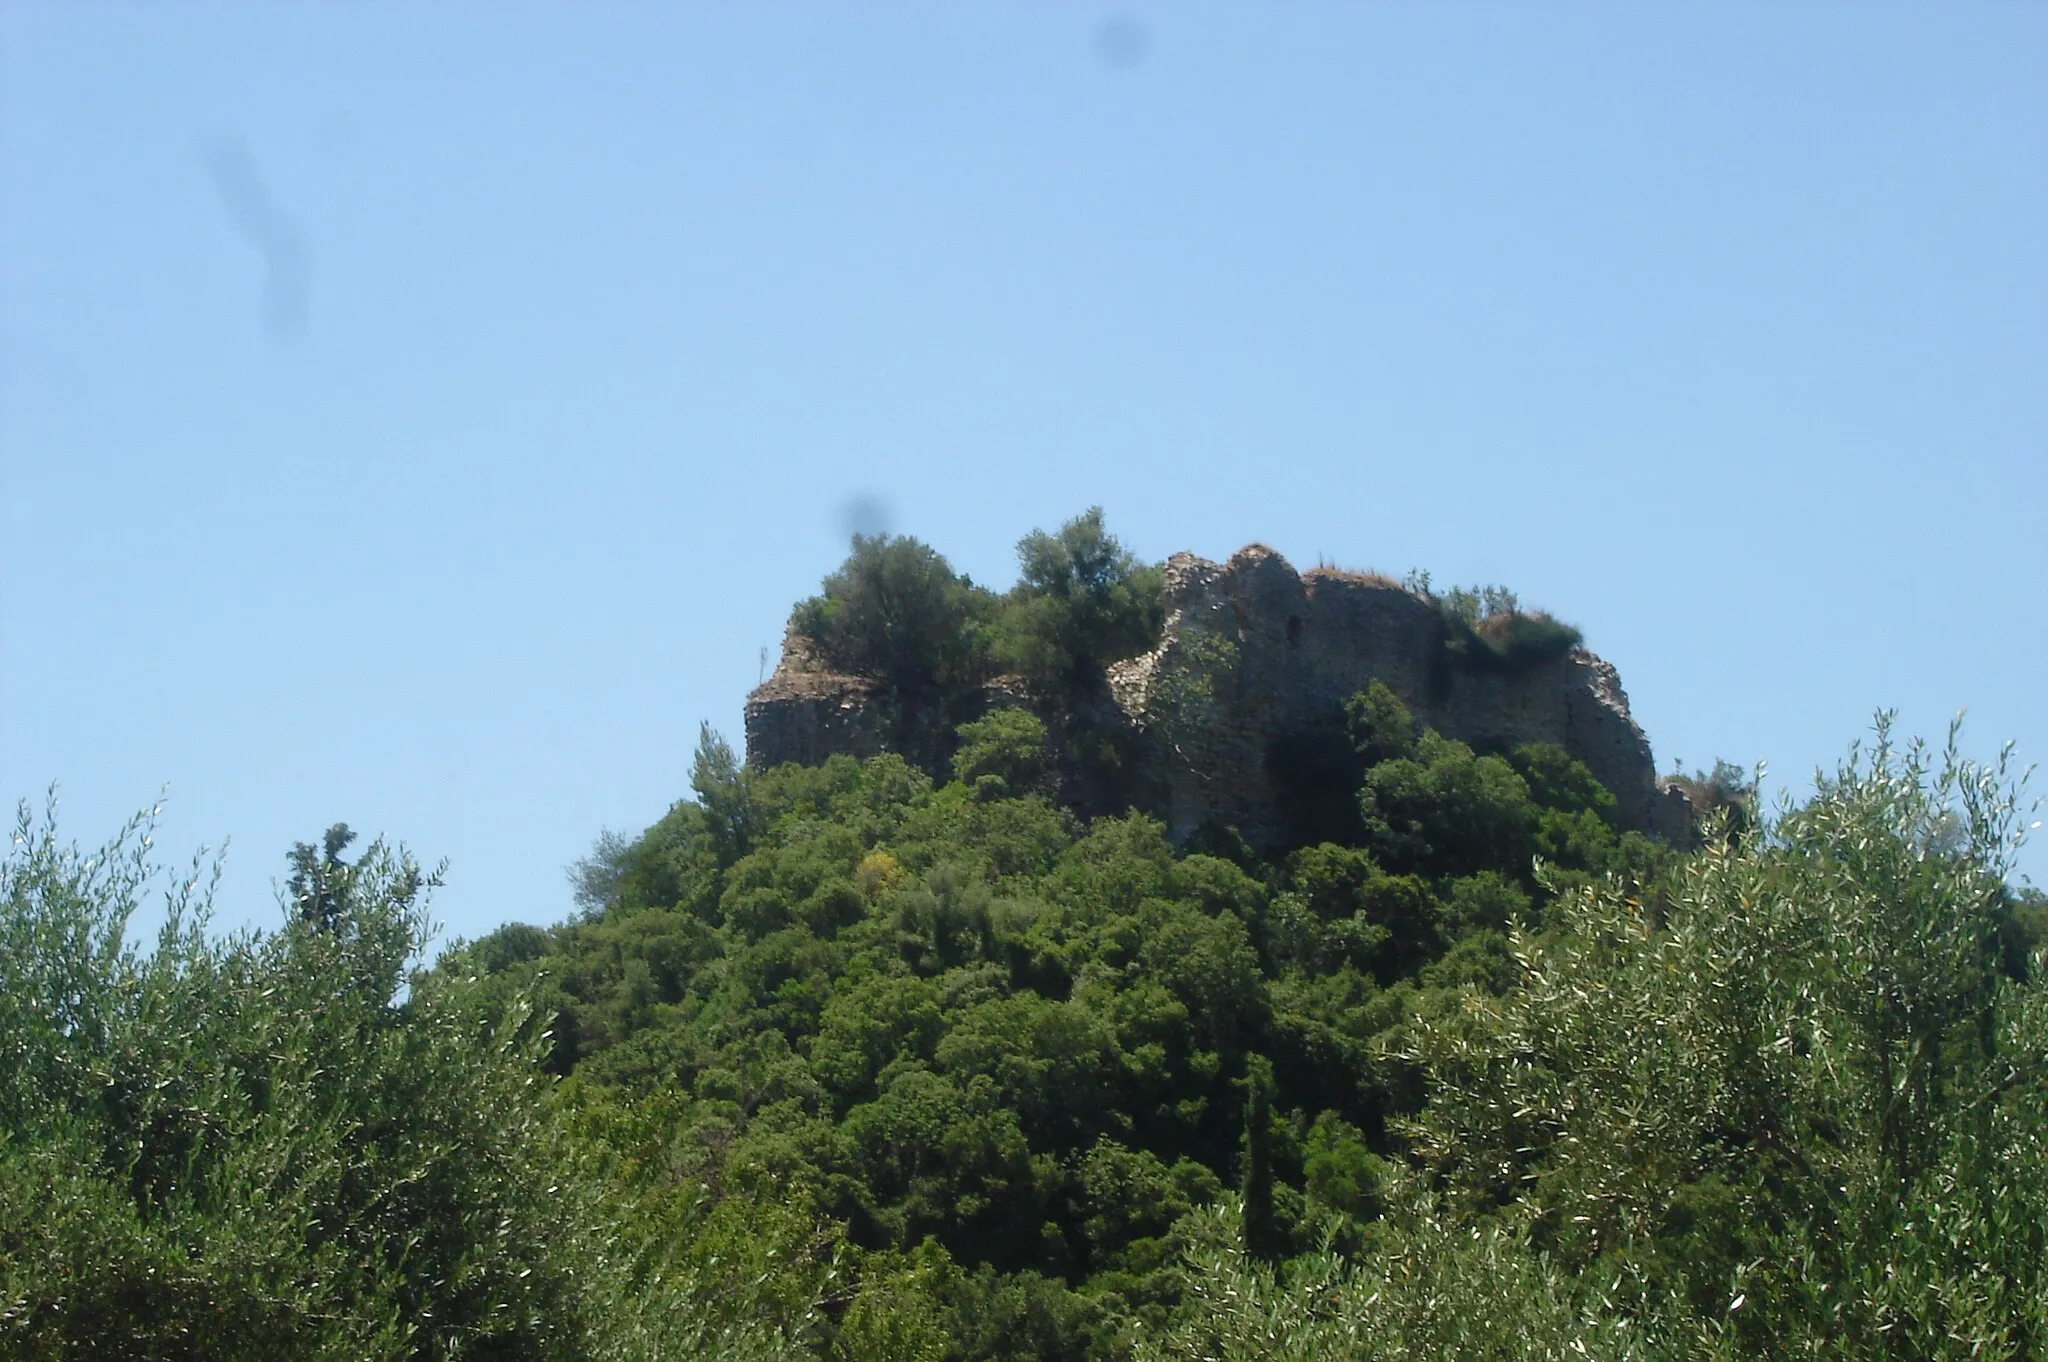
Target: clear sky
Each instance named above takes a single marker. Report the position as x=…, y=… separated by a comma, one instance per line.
x=423, y=415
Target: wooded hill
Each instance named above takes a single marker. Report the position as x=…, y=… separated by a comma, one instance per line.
x=860, y=1061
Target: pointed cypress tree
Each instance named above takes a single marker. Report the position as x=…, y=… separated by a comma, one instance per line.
x=1261, y=1232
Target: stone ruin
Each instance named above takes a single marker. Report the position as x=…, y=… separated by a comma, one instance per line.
x=1245, y=692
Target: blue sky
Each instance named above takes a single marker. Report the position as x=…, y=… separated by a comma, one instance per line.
x=424, y=419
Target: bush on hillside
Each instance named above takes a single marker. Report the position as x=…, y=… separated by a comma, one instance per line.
x=1004, y=754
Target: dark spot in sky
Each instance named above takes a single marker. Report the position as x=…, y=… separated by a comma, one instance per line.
x=1122, y=41
x=275, y=233
x=864, y=514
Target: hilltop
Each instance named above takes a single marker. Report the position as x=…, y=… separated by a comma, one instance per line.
x=1229, y=713
x=1148, y=963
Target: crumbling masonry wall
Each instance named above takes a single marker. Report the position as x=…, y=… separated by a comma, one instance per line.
x=1256, y=657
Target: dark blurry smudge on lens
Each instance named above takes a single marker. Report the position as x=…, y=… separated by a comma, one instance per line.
x=1121, y=41
x=864, y=515
x=275, y=233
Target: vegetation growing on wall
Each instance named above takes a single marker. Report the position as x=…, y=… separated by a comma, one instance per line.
x=1486, y=629
x=896, y=611
x=1081, y=602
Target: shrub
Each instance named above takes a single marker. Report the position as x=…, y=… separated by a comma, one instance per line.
x=1006, y=748
x=1486, y=629
x=1728, y=793
x=1515, y=641
x=257, y=1147
x=1081, y=602
x=1381, y=727
x=1809, y=1099
x=1446, y=810
x=1340, y=1171
x=896, y=611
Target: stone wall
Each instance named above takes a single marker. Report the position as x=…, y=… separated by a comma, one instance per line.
x=1256, y=661
x=805, y=713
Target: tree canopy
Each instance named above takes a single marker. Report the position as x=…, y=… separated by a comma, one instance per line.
x=896, y=611
x=860, y=1061
x=1081, y=602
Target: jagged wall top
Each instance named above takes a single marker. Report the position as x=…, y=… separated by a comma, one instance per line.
x=1300, y=645
x=1306, y=642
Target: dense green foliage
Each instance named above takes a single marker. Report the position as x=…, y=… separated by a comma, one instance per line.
x=1081, y=602
x=295, y=1145
x=254, y=1147
x=1795, y=1106
x=896, y=611
x=1086, y=1096
x=849, y=1063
